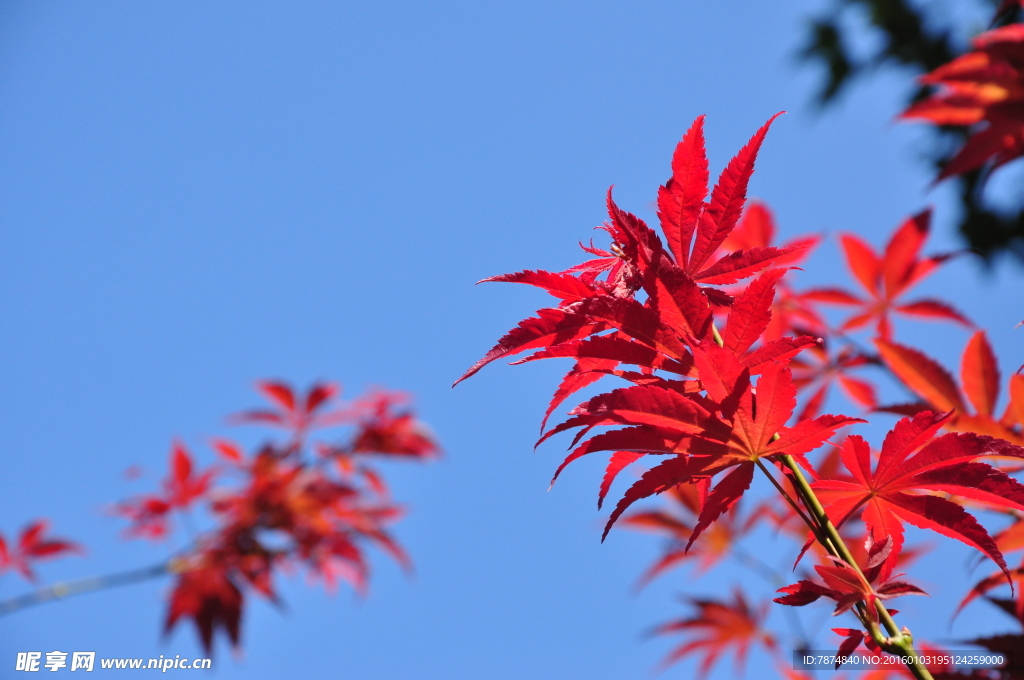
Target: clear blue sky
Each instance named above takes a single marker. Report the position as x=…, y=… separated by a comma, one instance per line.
x=195, y=195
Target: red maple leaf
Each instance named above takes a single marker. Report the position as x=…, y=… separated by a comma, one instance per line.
x=749, y=319
x=791, y=313
x=326, y=520
x=695, y=231
x=292, y=412
x=228, y=450
x=979, y=378
x=671, y=416
x=886, y=276
x=818, y=370
x=848, y=586
x=685, y=310
x=718, y=628
x=749, y=429
x=182, y=487
x=289, y=509
x=912, y=466
x=1010, y=539
x=208, y=596
x=33, y=546
x=387, y=427
x=150, y=514
x=983, y=88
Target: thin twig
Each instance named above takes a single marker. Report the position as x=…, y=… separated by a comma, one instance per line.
x=64, y=589
x=792, y=503
x=899, y=641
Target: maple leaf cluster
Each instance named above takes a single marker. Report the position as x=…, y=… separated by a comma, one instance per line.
x=692, y=398
x=982, y=90
x=714, y=342
x=299, y=502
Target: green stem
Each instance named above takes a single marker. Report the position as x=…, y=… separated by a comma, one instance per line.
x=860, y=610
x=717, y=336
x=59, y=591
x=899, y=642
x=792, y=503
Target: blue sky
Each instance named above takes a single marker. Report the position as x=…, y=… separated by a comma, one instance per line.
x=197, y=195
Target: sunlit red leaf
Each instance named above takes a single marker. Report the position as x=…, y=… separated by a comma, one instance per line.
x=228, y=450
x=751, y=312
x=182, y=488
x=727, y=200
x=886, y=277
x=979, y=374
x=549, y=327
x=560, y=285
x=681, y=200
x=983, y=88
x=285, y=507
x=923, y=375
x=913, y=461
x=748, y=435
x=852, y=639
x=847, y=586
x=386, y=426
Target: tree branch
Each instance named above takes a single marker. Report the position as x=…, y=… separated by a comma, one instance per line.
x=59, y=591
